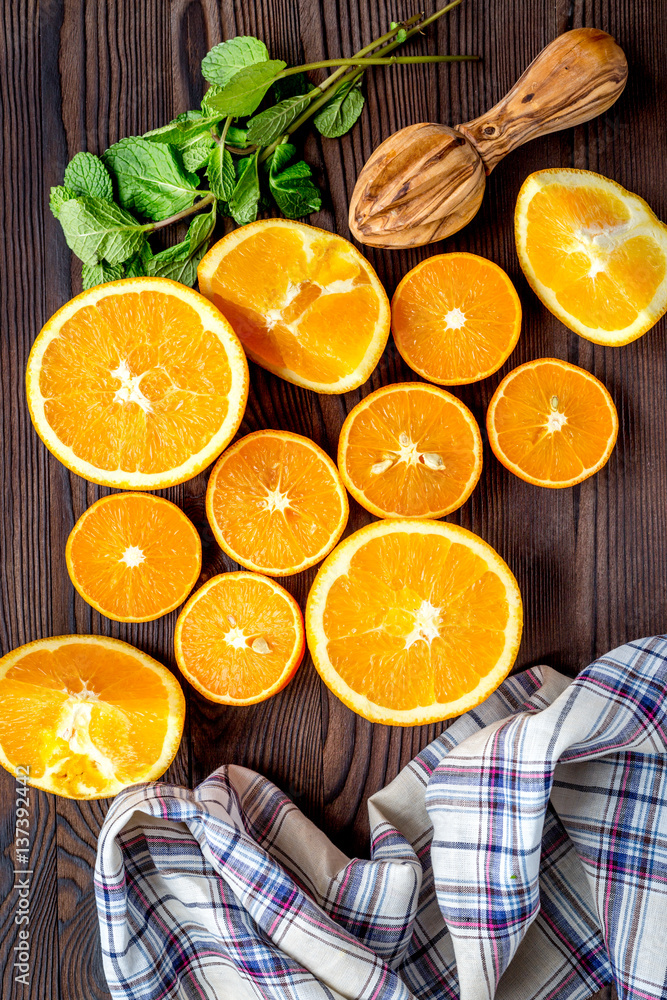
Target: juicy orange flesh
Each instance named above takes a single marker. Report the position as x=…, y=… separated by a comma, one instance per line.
x=308, y=308
x=580, y=243
x=263, y=474
x=217, y=651
x=135, y=383
x=416, y=620
x=434, y=343
x=538, y=395
x=409, y=487
x=135, y=556
x=104, y=694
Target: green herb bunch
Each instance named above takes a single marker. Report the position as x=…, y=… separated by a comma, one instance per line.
x=226, y=157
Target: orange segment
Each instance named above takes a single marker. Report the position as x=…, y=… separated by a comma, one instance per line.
x=239, y=639
x=551, y=423
x=275, y=502
x=88, y=715
x=138, y=383
x=411, y=622
x=594, y=253
x=456, y=318
x=410, y=450
x=304, y=302
x=134, y=557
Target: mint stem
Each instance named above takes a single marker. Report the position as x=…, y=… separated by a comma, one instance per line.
x=372, y=61
x=197, y=207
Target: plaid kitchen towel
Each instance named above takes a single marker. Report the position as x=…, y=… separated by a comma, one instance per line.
x=523, y=854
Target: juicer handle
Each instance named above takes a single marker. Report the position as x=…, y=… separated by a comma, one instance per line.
x=576, y=77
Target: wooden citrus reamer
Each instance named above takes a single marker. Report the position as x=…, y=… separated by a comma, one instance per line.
x=427, y=181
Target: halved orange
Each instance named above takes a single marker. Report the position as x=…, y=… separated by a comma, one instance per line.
x=456, y=318
x=594, y=253
x=276, y=503
x=551, y=423
x=411, y=622
x=304, y=303
x=139, y=383
x=134, y=557
x=87, y=715
x=410, y=450
x=239, y=639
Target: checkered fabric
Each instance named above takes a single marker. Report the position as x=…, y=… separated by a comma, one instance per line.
x=522, y=855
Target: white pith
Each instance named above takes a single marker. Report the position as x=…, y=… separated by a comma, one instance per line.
x=455, y=319
x=133, y=556
x=129, y=390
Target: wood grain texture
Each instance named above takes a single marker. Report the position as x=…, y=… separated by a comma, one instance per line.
x=591, y=563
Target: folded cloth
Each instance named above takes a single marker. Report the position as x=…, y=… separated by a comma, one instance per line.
x=523, y=854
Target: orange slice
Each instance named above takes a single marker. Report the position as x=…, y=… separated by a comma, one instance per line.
x=551, y=423
x=133, y=556
x=239, y=639
x=275, y=502
x=139, y=383
x=594, y=253
x=456, y=318
x=410, y=450
x=87, y=715
x=305, y=303
x=410, y=622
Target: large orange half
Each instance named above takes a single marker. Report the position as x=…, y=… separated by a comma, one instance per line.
x=138, y=384
x=87, y=715
x=304, y=302
x=410, y=450
x=594, y=253
x=239, y=639
x=276, y=503
x=456, y=318
x=133, y=556
x=410, y=622
x=551, y=423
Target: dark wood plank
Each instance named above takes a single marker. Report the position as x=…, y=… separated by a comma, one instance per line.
x=590, y=561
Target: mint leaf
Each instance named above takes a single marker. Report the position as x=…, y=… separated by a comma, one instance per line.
x=180, y=262
x=246, y=89
x=265, y=127
x=201, y=230
x=195, y=153
x=85, y=174
x=191, y=134
x=135, y=267
x=220, y=173
x=291, y=185
x=226, y=59
x=237, y=137
x=95, y=229
x=97, y=274
x=212, y=92
x=340, y=113
x=149, y=178
x=183, y=129
x=245, y=196
x=57, y=198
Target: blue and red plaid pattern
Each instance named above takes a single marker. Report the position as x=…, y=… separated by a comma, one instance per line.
x=522, y=855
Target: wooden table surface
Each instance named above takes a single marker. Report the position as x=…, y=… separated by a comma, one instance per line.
x=590, y=560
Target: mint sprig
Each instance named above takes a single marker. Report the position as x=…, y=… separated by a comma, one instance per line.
x=233, y=156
